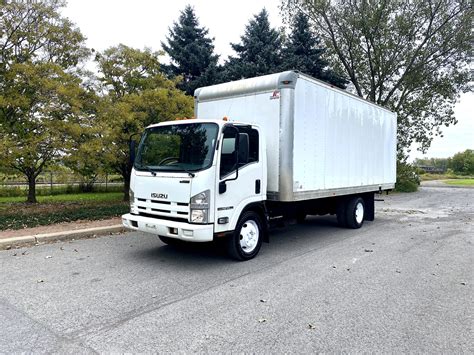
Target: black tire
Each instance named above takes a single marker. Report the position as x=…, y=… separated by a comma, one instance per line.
x=171, y=241
x=250, y=222
x=341, y=214
x=355, y=213
x=300, y=217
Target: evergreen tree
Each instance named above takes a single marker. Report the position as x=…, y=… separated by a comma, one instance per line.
x=191, y=51
x=303, y=52
x=259, y=52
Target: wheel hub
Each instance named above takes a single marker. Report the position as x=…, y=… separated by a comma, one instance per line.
x=359, y=212
x=249, y=236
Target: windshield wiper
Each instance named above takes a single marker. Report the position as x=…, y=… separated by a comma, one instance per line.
x=153, y=172
x=190, y=173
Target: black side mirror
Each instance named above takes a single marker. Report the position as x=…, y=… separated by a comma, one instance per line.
x=132, y=147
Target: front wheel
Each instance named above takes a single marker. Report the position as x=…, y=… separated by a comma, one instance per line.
x=245, y=242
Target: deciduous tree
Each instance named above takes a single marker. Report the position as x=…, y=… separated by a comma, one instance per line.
x=409, y=56
x=40, y=95
x=136, y=94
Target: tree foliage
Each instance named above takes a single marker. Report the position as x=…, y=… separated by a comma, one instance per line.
x=136, y=94
x=410, y=56
x=40, y=96
x=191, y=51
x=259, y=51
x=462, y=162
x=302, y=51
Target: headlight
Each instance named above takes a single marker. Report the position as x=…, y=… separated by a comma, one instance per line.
x=199, y=216
x=131, y=196
x=200, y=207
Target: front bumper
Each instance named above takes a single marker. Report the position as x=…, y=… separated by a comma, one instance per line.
x=178, y=230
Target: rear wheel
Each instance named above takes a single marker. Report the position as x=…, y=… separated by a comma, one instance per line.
x=355, y=213
x=245, y=242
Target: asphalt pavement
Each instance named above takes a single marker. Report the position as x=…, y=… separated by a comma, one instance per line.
x=403, y=283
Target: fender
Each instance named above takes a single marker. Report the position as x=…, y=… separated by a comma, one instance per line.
x=257, y=206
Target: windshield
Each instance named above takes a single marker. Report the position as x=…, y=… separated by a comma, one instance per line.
x=181, y=147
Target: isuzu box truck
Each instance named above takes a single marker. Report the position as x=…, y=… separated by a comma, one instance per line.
x=261, y=151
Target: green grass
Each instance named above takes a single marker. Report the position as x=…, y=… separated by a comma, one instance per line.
x=89, y=196
x=16, y=214
x=460, y=182
x=429, y=177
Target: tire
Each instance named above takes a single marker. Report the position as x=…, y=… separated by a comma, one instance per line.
x=171, y=241
x=245, y=242
x=300, y=217
x=341, y=214
x=355, y=213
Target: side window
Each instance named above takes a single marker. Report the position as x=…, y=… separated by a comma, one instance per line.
x=253, y=145
x=228, y=153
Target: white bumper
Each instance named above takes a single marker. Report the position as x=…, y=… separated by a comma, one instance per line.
x=179, y=230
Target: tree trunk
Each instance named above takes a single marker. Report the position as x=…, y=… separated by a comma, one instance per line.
x=31, y=189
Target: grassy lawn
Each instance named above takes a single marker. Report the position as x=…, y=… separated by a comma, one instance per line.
x=16, y=214
x=460, y=182
x=429, y=177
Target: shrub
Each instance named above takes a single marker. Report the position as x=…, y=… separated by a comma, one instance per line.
x=407, y=178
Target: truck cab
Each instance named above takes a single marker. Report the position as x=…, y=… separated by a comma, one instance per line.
x=193, y=180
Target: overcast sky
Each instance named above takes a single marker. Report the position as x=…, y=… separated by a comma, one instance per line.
x=144, y=23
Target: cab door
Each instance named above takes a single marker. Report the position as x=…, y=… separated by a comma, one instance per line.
x=240, y=177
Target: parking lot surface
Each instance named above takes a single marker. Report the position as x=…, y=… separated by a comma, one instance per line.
x=403, y=283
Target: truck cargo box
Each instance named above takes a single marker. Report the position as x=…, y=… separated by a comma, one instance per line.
x=321, y=141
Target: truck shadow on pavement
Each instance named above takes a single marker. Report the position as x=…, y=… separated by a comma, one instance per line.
x=284, y=243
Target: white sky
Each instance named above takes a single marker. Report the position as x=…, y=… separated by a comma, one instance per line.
x=144, y=23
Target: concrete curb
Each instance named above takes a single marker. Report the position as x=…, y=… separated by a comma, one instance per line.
x=13, y=242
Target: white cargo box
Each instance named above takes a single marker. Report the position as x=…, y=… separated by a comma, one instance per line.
x=321, y=141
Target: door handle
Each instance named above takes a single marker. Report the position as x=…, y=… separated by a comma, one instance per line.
x=257, y=186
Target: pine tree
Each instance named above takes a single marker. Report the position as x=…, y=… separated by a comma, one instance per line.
x=303, y=52
x=191, y=51
x=259, y=52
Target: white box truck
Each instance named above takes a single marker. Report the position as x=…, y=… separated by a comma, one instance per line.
x=260, y=151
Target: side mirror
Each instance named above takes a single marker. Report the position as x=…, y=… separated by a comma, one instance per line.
x=132, y=148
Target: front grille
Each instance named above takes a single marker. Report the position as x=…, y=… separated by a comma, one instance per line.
x=168, y=218
x=169, y=210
